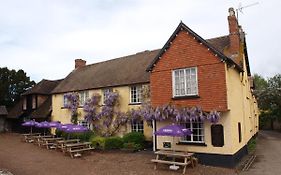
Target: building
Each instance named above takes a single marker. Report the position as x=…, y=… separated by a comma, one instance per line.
x=215, y=75
x=3, y=114
x=35, y=103
x=188, y=71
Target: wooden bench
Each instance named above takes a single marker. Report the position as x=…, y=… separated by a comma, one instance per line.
x=187, y=158
x=75, y=148
x=29, y=137
x=61, y=143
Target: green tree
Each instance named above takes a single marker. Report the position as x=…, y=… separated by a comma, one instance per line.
x=12, y=84
x=268, y=93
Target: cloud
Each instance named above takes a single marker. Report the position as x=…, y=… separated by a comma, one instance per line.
x=44, y=37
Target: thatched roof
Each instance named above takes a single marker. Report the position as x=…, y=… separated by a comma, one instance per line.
x=44, y=87
x=16, y=111
x=44, y=110
x=117, y=72
x=3, y=110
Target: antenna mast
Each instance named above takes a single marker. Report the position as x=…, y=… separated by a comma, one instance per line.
x=240, y=7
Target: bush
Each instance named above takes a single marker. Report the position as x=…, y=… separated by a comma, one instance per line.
x=84, y=137
x=251, y=145
x=98, y=142
x=132, y=146
x=134, y=137
x=113, y=143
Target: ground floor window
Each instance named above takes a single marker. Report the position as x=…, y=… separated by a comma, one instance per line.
x=85, y=124
x=137, y=126
x=197, y=128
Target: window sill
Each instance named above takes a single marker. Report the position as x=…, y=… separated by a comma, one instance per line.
x=186, y=97
x=135, y=103
x=191, y=143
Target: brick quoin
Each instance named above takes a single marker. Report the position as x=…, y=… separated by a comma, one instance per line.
x=184, y=52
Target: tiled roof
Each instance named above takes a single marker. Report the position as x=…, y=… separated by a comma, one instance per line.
x=117, y=72
x=16, y=111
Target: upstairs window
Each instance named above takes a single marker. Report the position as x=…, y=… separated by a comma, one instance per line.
x=135, y=94
x=83, y=96
x=65, y=101
x=185, y=82
x=33, y=102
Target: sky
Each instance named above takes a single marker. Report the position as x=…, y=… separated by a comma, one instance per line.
x=44, y=37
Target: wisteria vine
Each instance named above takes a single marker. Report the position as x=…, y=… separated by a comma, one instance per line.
x=72, y=104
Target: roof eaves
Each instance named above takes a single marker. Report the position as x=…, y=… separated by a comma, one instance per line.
x=180, y=27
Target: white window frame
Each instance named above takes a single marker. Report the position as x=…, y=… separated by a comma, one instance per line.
x=85, y=124
x=200, y=136
x=138, y=97
x=83, y=96
x=107, y=90
x=137, y=126
x=185, y=82
x=65, y=101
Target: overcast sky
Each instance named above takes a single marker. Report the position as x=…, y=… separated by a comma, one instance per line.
x=44, y=37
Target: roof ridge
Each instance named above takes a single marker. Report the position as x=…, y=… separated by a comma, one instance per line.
x=122, y=57
x=224, y=36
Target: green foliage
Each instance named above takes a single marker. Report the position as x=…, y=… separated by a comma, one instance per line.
x=268, y=93
x=132, y=146
x=113, y=143
x=252, y=145
x=12, y=84
x=84, y=137
x=98, y=142
x=134, y=137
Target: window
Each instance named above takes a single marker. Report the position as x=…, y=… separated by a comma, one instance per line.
x=185, y=82
x=137, y=126
x=135, y=94
x=239, y=132
x=65, y=101
x=83, y=96
x=105, y=93
x=197, y=128
x=33, y=102
x=85, y=124
x=24, y=103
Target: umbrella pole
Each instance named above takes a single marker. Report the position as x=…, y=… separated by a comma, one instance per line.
x=31, y=130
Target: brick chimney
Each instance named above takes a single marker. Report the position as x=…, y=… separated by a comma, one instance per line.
x=234, y=34
x=79, y=63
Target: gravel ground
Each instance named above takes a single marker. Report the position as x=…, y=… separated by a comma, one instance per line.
x=27, y=159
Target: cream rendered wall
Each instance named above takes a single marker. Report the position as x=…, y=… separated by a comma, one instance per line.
x=242, y=107
x=62, y=114
x=209, y=148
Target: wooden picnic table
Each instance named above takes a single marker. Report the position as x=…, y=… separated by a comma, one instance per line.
x=28, y=137
x=61, y=143
x=75, y=149
x=162, y=154
x=50, y=142
x=38, y=139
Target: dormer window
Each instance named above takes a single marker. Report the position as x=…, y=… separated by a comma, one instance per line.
x=185, y=82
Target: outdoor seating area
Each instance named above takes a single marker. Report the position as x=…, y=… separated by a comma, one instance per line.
x=73, y=147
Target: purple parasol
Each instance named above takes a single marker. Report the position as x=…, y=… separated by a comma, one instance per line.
x=76, y=128
x=54, y=124
x=63, y=127
x=174, y=131
x=30, y=123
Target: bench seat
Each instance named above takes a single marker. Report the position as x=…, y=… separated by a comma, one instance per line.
x=169, y=162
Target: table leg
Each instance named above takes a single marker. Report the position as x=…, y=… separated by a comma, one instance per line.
x=155, y=165
x=184, y=167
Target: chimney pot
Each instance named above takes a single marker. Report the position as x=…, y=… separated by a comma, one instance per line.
x=79, y=63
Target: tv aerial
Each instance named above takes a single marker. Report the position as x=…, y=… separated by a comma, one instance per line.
x=241, y=8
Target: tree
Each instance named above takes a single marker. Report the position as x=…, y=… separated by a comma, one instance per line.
x=268, y=93
x=12, y=84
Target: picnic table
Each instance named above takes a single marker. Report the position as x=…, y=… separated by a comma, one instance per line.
x=28, y=137
x=61, y=143
x=74, y=149
x=50, y=142
x=38, y=139
x=161, y=156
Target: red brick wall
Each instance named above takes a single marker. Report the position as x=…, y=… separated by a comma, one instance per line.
x=184, y=52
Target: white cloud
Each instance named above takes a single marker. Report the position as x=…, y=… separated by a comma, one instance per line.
x=44, y=37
